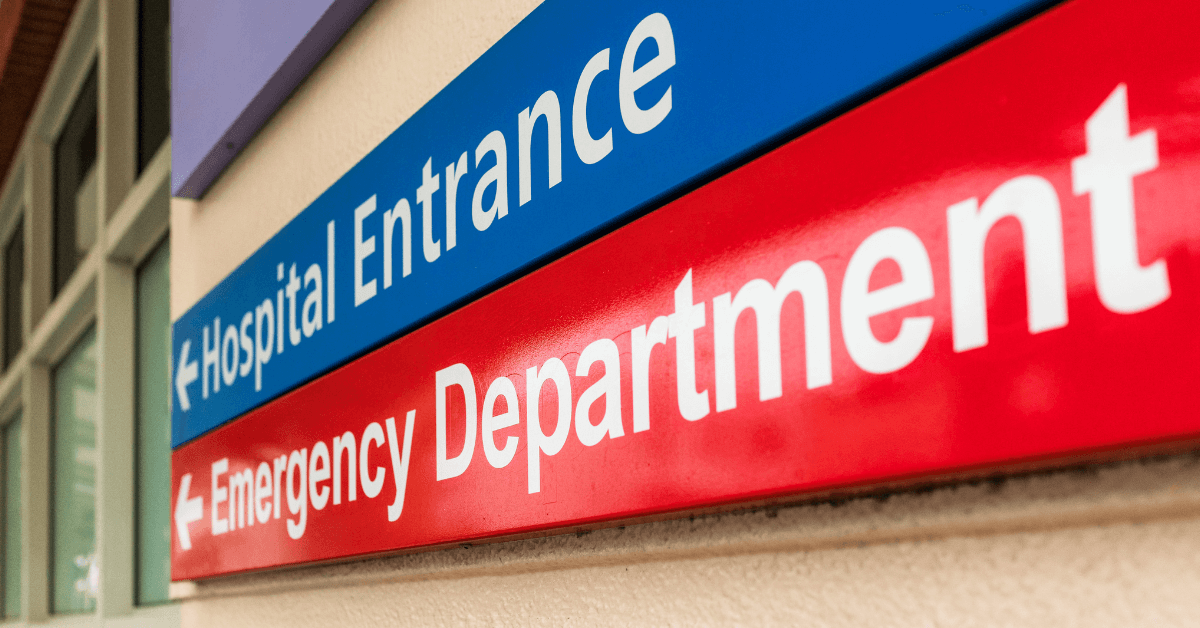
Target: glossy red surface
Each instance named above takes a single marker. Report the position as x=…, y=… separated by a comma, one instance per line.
x=1016, y=106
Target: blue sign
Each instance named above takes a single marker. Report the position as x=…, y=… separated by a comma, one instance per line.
x=583, y=115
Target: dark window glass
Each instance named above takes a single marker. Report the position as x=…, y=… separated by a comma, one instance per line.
x=14, y=280
x=154, y=78
x=75, y=215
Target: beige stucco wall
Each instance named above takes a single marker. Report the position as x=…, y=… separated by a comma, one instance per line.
x=1108, y=545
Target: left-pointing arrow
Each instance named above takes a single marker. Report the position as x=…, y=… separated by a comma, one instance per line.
x=187, y=511
x=187, y=373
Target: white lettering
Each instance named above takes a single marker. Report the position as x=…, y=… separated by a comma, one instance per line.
x=229, y=355
x=241, y=494
x=456, y=375
x=547, y=107
x=608, y=386
x=279, y=313
x=1106, y=172
x=639, y=120
x=453, y=175
x=430, y=183
x=262, y=350
x=211, y=358
x=804, y=278
x=247, y=344
x=643, y=342
x=362, y=248
x=538, y=443
x=371, y=485
x=859, y=303
x=1032, y=201
x=344, y=444
x=329, y=302
x=403, y=213
x=311, y=315
x=590, y=150
x=298, y=502
x=318, y=471
x=501, y=387
x=293, y=286
x=220, y=494
x=400, y=461
x=682, y=325
x=279, y=466
x=263, y=490
x=497, y=174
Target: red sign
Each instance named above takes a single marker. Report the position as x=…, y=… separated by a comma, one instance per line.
x=994, y=265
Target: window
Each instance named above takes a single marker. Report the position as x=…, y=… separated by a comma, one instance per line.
x=75, y=575
x=12, y=519
x=154, y=78
x=14, y=288
x=154, y=427
x=73, y=546
x=75, y=202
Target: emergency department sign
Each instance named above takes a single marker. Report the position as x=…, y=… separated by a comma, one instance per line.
x=994, y=265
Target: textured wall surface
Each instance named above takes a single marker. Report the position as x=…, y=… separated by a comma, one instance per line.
x=1062, y=578
x=1104, y=545
x=1107, y=545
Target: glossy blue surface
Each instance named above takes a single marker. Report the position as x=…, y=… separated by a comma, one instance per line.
x=746, y=76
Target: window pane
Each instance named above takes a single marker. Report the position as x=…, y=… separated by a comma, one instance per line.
x=75, y=576
x=12, y=519
x=154, y=78
x=14, y=281
x=75, y=214
x=154, y=428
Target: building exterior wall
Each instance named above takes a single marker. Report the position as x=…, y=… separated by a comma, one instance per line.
x=1107, y=544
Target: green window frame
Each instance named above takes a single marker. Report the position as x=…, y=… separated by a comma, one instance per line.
x=153, y=444
x=11, y=551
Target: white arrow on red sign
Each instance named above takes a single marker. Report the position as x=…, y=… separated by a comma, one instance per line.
x=187, y=511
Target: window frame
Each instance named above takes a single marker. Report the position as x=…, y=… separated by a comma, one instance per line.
x=92, y=73
x=133, y=214
x=145, y=259
x=12, y=419
x=12, y=216
x=145, y=152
